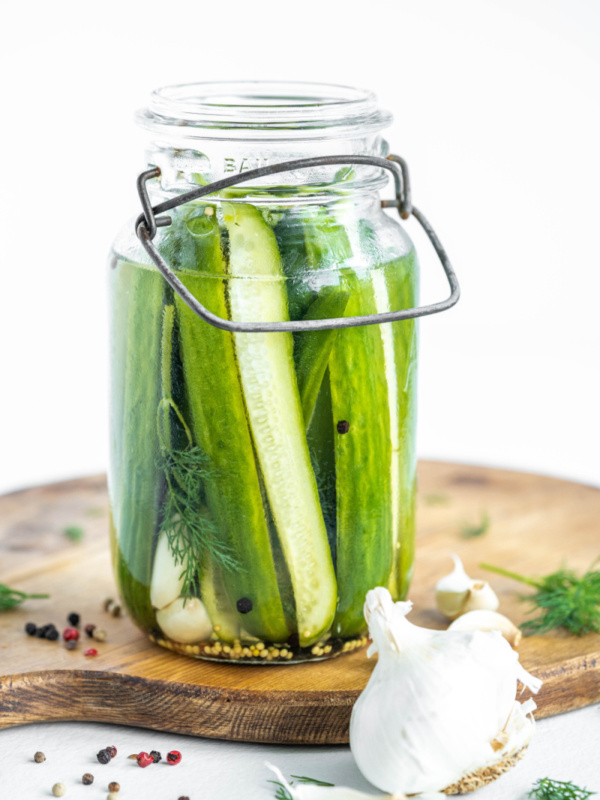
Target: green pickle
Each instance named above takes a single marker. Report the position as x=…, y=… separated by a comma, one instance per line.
x=262, y=483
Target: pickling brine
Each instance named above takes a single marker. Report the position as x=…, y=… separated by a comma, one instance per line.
x=261, y=483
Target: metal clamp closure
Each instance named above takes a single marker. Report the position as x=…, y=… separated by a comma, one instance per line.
x=147, y=223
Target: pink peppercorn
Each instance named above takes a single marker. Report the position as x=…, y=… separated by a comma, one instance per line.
x=70, y=634
x=91, y=651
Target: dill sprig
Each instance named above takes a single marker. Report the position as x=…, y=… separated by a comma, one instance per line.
x=314, y=781
x=10, y=598
x=191, y=532
x=469, y=531
x=565, y=600
x=548, y=789
x=283, y=793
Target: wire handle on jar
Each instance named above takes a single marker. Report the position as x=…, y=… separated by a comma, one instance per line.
x=147, y=223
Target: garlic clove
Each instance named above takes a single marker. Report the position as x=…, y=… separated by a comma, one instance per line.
x=185, y=620
x=484, y=620
x=167, y=582
x=452, y=591
x=480, y=596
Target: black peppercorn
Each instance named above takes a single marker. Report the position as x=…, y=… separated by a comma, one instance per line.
x=41, y=632
x=103, y=756
x=156, y=756
x=52, y=635
x=31, y=629
x=244, y=605
x=73, y=619
x=89, y=629
x=343, y=426
x=87, y=779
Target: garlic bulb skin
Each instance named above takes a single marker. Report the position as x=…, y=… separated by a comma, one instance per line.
x=185, y=620
x=452, y=590
x=435, y=702
x=483, y=620
x=167, y=583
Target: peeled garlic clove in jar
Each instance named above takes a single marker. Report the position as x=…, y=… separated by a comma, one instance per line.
x=483, y=620
x=185, y=620
x=167, y=581
x=452, y=591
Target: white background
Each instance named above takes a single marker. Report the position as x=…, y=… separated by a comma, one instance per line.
x=496, y=110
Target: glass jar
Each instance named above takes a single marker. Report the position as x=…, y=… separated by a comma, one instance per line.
x=261, y=483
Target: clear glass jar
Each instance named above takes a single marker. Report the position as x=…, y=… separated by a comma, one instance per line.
x=261, y=483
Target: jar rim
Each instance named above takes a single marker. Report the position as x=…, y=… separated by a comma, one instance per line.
x=263, y=109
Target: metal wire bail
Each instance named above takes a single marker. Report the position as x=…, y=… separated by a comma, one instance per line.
x=147, y=223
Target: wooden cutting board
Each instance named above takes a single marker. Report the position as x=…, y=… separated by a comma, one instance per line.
x=535, y=524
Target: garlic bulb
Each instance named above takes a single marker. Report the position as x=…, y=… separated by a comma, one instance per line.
x=439, y=709
x=185, y=620
x=456, y=593
x=167, y=577
x=481, y=620
x=308, y=791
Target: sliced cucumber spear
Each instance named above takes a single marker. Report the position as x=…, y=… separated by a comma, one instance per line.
x=361, y=418
x=314, y=348
x=271, y=393
x=136, y=392
x=220, y=427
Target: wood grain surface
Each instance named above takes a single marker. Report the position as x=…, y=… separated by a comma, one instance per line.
x=536, y=524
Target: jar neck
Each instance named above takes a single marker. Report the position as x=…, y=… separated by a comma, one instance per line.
x=199, y=133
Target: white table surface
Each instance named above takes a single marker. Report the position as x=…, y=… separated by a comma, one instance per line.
x=566, y=747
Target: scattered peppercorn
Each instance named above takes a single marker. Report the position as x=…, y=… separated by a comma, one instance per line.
x=39, y=757
x=73, y=619
x=116, y=610
x=70, y=633
x=59, y=789
x=52, y=635
x=71, y=644
x=108, y=603
x=113, y=752
x=144, y=760
x=244, y=605
x=42, y=631
x=173, y=757
x=184, y=798
x=103, y=756
x=87, y=779
x=133, y=756
x=99, y=635
x=31, y=629
x=156, y=756
x=113, y=786
x=91, y=651
x=89, y=629
x=112, y=796
x=343, y=426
